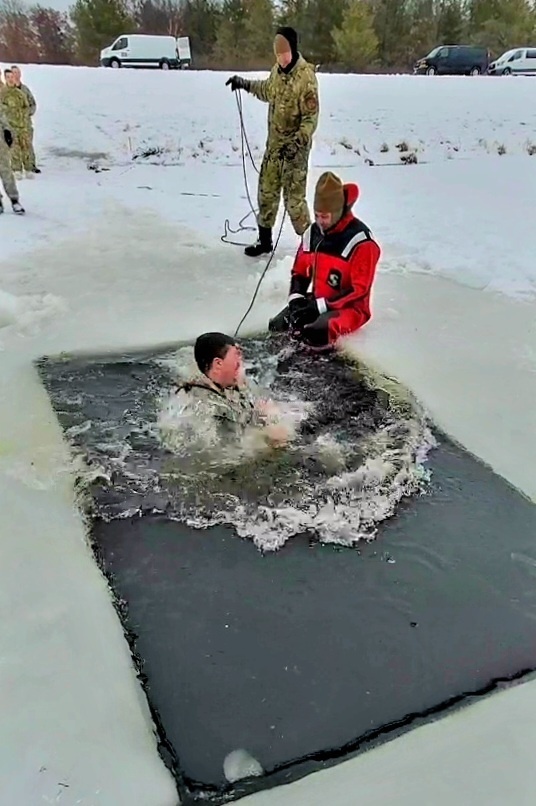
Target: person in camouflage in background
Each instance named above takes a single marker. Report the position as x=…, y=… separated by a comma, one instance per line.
x=16, y=106
x=33, y=109
x=291, y=90
x=6, y=172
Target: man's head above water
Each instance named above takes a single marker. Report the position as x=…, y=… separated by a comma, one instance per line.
x=219, y=358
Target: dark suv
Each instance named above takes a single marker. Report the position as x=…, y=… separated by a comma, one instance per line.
x=454, y=60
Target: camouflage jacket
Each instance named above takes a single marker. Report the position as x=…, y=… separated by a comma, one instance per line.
x=4, y=122
x=16, y=107
x=293, y=103
x=31, y=98
x=231, y=409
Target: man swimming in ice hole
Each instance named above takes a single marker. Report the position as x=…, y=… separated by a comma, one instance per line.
x=220, y=390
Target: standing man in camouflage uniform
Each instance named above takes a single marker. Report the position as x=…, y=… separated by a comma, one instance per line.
x=32, y=109
x=6, y=172
x=17, y=110
x=291, y=91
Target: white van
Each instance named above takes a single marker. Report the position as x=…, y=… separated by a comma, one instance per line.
x=516, y=62
x=144, y=50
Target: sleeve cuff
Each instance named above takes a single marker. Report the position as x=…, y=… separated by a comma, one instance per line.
x=295, y=296
x=321, y=304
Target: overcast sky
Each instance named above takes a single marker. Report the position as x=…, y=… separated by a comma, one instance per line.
x=62, y=5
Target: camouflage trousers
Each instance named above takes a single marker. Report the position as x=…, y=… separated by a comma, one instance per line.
x=31, y=148
x=289, y=176
x=22, y=150
x=6, y=173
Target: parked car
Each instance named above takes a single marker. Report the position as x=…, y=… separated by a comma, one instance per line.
x=454, y=60
x=517, y=62
x=143, y=50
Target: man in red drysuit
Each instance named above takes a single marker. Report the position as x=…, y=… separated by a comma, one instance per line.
x=333, y=270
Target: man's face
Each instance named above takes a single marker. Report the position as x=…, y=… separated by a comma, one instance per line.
x=284, y=59
x=10, y=80
x=324, y=220
x=228, y=371
x=16, y=74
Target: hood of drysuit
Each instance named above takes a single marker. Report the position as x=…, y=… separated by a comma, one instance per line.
x=351, y=195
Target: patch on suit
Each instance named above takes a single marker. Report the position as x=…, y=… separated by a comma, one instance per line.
x=334, y=279
x=311, y=102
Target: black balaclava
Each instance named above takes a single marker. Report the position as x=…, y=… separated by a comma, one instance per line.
x=292, y=38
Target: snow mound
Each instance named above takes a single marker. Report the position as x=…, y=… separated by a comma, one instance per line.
x=240, y=764
x=26, y=312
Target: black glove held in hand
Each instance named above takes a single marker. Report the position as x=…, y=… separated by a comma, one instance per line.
x=237, y=83
x=304, y=314
x=295, y=305
x=289, y=151
x=8, y=137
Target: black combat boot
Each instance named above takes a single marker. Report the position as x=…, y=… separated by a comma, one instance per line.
x=263, y=244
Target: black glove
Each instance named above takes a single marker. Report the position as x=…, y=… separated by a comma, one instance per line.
x=237, y=83
x=289, y=151
x=296, y=305
x=304, y=314
x=8, y=137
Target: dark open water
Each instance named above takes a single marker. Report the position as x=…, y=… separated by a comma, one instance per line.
x=308, y=654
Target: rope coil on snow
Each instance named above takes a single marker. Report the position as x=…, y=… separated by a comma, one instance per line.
x=245, y=151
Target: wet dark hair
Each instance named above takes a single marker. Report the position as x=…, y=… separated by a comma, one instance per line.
x=210, y=346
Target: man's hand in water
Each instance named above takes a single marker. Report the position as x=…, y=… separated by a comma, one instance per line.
x=276, y=435
x=267, y=408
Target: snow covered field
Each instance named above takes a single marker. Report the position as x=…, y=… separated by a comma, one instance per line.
x=131, y=256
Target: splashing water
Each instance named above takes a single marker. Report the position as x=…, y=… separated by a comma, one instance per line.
x=359, y=447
